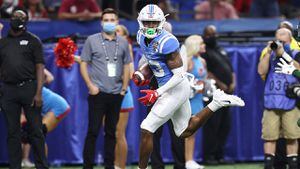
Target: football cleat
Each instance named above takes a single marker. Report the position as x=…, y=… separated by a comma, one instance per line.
x=224, y=100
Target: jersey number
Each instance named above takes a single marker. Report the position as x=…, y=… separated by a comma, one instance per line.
x=158, y=71
x=278, y=85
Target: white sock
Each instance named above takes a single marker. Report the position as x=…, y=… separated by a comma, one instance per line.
x=214, y=106
x=292, y=155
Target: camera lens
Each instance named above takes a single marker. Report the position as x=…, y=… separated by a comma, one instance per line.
x=273, y=45
x=297, y=91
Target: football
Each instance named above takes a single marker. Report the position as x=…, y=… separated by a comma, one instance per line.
x=142, y=76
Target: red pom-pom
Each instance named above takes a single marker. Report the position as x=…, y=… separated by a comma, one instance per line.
x=64, y=52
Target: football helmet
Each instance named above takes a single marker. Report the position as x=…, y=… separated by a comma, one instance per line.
x=151, y=13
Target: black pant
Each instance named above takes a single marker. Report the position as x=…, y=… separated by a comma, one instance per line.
x=177, y=149
x=14, y=98
x=100, y=105
x=215, y=132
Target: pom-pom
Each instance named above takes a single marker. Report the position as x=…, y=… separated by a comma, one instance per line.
x=64, y=52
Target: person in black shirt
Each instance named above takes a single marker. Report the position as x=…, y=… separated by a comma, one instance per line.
x=21, y=72
x=217, y=128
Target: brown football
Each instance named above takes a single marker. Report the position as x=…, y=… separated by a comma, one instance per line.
x=142, y=76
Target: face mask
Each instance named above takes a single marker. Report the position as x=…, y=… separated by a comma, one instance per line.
x=210, y=42
x=17, y=24
x=109, y=27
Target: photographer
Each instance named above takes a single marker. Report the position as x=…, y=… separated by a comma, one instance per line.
x=293, y=44
x=280, y=114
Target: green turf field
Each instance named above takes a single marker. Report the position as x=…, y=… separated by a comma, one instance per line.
x=235, y=166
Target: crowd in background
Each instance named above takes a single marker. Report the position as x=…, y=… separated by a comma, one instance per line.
x=177, y=9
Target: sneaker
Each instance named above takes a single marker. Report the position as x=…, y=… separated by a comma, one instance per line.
x=193, y=165
x=223, y=99
x=27, y=164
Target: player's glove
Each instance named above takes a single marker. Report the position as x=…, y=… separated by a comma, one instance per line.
x=150, y=97
x=284, y=67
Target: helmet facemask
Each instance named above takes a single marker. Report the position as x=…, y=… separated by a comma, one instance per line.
x=151, y=29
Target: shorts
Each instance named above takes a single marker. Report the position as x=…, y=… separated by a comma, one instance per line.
x=127, y=103
x=53, y=102
x=276, y=123
x=197, y=103
x=173, y=104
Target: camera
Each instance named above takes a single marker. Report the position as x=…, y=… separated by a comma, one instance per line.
x=293, y=90
x=274, y=45
x=296, y=90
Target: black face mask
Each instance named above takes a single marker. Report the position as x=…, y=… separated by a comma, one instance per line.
x=17, y=24
x=210, y=42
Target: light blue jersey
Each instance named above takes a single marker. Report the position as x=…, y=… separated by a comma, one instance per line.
x=55, y=103
x=199, y=71
x=156, y=52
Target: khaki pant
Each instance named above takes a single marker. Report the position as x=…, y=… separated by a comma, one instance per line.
x=277, y=123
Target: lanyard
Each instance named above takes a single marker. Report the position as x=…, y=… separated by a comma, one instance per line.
x=105, y=51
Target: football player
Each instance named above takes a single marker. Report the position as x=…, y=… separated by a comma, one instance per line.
x=171, y=99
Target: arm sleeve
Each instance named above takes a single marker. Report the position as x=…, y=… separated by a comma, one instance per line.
x=38, y=51
x=178, y=76
x=86, y=54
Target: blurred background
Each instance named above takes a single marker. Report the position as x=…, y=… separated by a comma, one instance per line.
x=243, y=27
